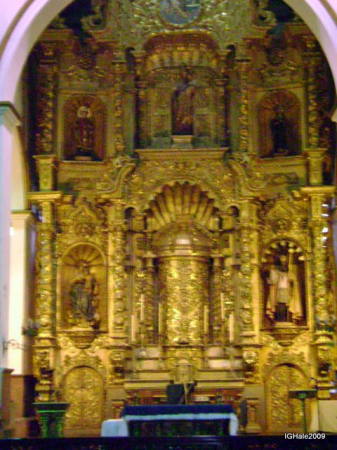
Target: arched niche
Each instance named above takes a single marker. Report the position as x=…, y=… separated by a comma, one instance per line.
x=84, y=391
x=279, y=124
x=83, y=288
x=283, y=277
x=186, y=227
x=84, y=128
x=284, y=413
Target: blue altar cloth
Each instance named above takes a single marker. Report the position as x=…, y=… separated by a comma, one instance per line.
x=152, y=410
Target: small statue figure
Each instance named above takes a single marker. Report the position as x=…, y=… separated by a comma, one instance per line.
x=279, y=131
x=84, y=297
x=84, y=134
x=183, y=105
x=284, y=299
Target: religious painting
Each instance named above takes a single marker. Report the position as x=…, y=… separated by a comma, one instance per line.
x=179, y=12
x=279, y=125
x=84, y=129
x=283, y=277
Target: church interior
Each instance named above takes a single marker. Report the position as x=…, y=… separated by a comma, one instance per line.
x=180, y=226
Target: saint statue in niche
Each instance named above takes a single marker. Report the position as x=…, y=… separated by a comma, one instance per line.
x=279, y=131
x=183, y=105
x=84, y=291
x=284, y=297
x=84, y=134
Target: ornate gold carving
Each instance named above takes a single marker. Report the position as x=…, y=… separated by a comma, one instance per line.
x=46, y=169
x=117, y=170
x=283, y=412
x=223, y=20
x=46, y=98
x=83, y=220
x=83, y=389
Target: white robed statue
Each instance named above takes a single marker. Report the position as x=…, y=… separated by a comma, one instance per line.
x=284, y=299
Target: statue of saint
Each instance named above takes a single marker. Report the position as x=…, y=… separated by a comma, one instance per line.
x=284, y=298
x=183, y=105
x=279, y=131
x=84, y=134
x=84, y=297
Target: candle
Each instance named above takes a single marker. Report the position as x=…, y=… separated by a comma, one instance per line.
x=142, y=308
x=231, y=327
x=160, y=323
x=222, y=305
x=133, y=327
x=206, y=319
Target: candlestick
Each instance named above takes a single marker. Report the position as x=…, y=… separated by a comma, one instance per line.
x=133, y=327
x=231, y=327
x=222, y=304
x=160, y=324
x=142, y=309
x=206, y=319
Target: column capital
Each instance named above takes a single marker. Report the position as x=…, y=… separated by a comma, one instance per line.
x=9, y=115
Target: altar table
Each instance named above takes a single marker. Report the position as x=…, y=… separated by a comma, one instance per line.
x=164, y=414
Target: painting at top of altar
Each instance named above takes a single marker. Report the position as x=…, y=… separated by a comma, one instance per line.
x=179, y=12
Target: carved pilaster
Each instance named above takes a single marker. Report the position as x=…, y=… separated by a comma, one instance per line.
x=217, y=313
x=46, y=98
x=119, y=139
x=243, y=65
x=45, y=300
x=141, y=87
x=320, y=261
x=118, y=258
x=149, y=319
x=246, y=303
x=46, y=170
x=313, y=62
x=222, y=114
x=316, y=157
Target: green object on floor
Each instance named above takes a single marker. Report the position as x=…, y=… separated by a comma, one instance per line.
x=51, y=417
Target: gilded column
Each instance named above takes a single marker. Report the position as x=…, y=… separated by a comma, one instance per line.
x=46, y=98
x=221, y=132
x=150, y=310
x=45, y=295
x=217, y=313
x=117, y=256
x=321, y=289
x=141, y=88
x=243, y=65
x=313, y=62
x=249, y=289
x=246, y=272
x=119, y=68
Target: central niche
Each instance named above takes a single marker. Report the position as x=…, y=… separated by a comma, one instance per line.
x=183, y=218
x=182, y=98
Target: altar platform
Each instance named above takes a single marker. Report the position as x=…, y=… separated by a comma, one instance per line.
x=173, y=420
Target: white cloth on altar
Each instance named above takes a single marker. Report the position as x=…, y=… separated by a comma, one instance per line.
x=118, y=427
